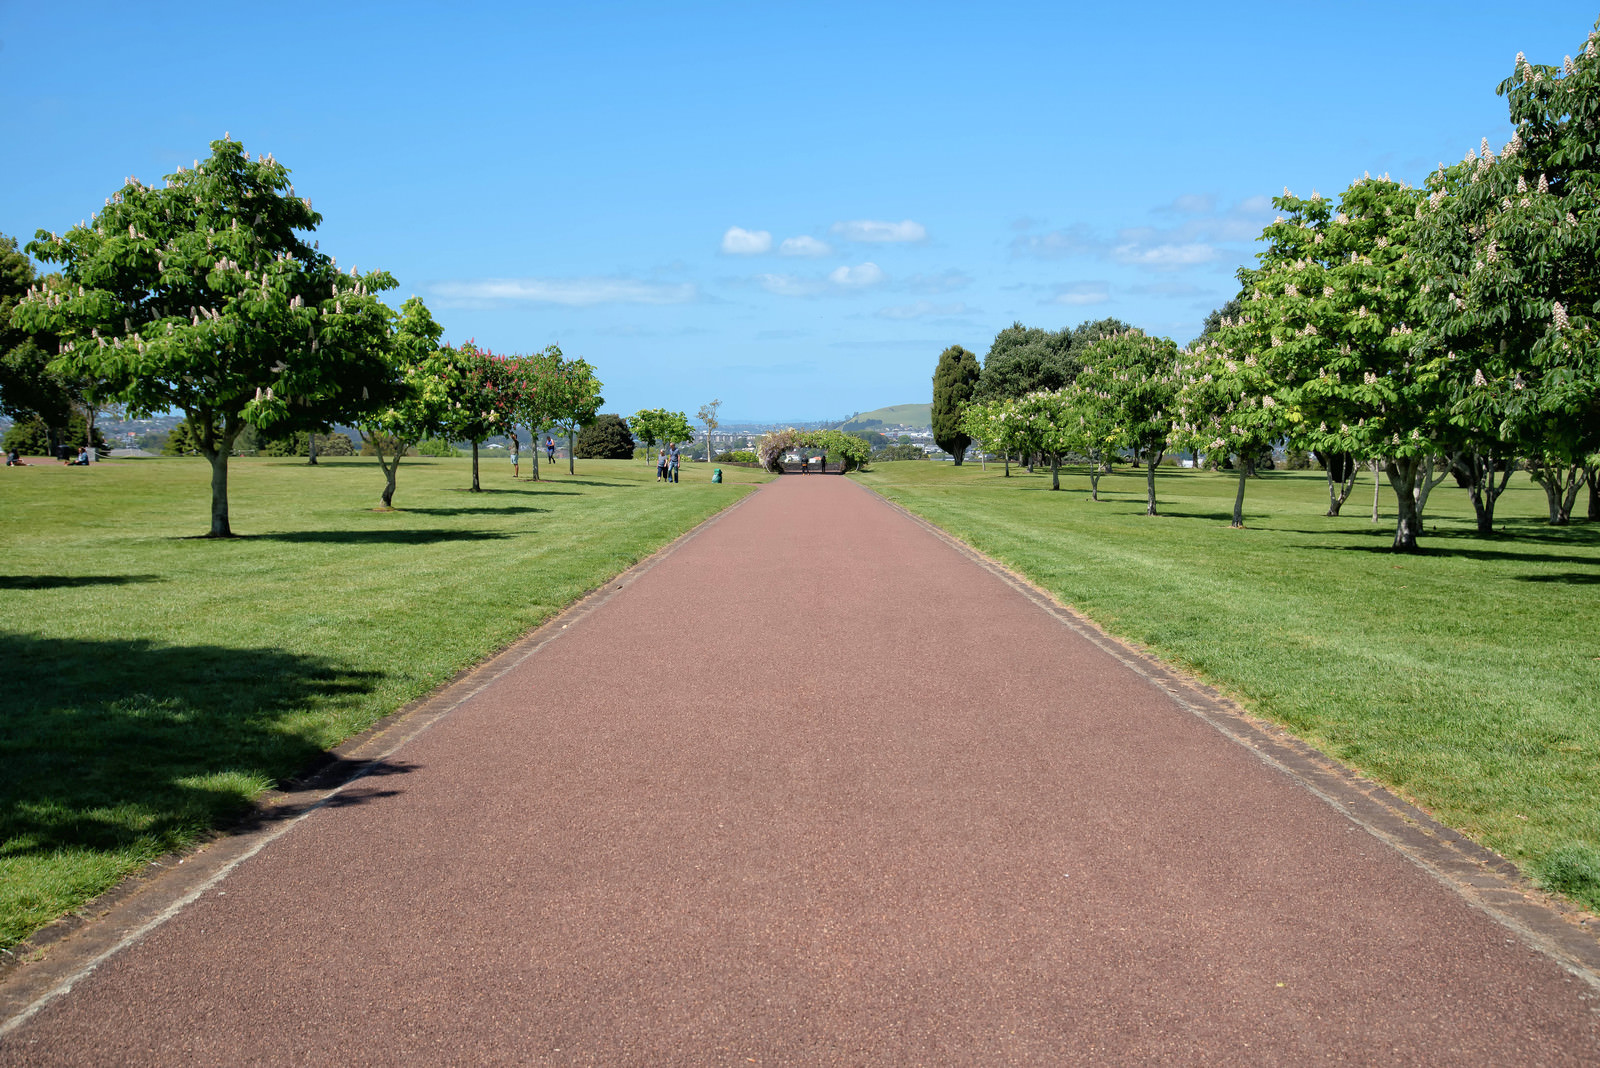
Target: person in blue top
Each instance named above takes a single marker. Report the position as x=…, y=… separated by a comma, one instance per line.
x=673, y=469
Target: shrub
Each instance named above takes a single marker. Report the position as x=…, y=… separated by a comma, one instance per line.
x=737, y=456
x=607, y=438
x=436, y=447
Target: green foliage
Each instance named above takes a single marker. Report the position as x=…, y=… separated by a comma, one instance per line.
x=298, y=443
x=31, y=437
x=437, y=447
x=1135, y=379
x=27, y=387
x=898, y=451
x=606, y=438
x=737, y=456
x=849, y=449
x=954, y=382
x=1512, y=251
x=203, y=296
x=1023, y=360
x=659, y=427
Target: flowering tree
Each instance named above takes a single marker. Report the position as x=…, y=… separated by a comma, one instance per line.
x=483, y=398
x=1226, y=408
x=419, y=399
x=203, y=296
x=577, y=402
x=1513, y=251
x=851, y=450
x=533, y=383
x=989, y=423
x=1136, y=377
x=1332, y=312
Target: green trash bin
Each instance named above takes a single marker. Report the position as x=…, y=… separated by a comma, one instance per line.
x=716, y=476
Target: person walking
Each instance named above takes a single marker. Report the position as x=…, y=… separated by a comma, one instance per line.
x=516, y=459
x=550, y=448
x=673, y=468
x=661, y=465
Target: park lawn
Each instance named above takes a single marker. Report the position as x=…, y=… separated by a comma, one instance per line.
x=156, y=682
x=1466, y=677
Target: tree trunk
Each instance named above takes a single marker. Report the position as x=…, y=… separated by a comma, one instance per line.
x=1594, y=492
x=475, y=487
x=1427, y=482
x=1561, y=484
x=1094, y=475
x=1403, y=472
x=389, y=471
x=1055, y=470
x=1377, y=483
x=1152, y=458
x=1007, y=455
x=311, y=446
x=90, y=411
x=572, y=451
x=959, y=454
x=1341, y=470
x=1238, y=501
x=1478, y=474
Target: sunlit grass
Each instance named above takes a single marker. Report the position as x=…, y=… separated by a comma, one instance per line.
x=155, y=682
x=1467, y=677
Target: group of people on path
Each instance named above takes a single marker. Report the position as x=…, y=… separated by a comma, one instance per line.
x=516, y=453
x=667, y=465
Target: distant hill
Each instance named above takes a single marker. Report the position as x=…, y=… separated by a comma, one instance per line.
x=918, y=415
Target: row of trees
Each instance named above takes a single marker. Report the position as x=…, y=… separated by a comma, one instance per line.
x=204, y=295
x=1445, y=330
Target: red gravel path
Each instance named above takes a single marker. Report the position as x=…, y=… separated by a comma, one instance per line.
x=895, y=814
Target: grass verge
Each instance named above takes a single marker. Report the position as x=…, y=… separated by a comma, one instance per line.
x=1466, y=677
x=156, y=682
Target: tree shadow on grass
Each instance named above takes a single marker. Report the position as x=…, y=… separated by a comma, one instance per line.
x=62, y=582
x=117, y=745
x=1566, y=578
x=1448, y=551
x=488, y=509
x=384, y=537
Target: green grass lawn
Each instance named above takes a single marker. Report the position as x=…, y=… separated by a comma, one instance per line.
x=155, y=682
x=1466, y=677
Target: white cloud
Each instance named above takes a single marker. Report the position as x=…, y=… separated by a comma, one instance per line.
x=739, y=242
x=576, y=292
x=1191, y=204
x=924, y=309
x=789, y=285
x=881, y=232
x=867, y=274
x=1164, y=257
x=1075, y=240
x=1077, y=294
x=1201, y=232
x=804, y=246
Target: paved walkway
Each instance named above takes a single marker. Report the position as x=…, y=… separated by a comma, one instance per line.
x=892, y=813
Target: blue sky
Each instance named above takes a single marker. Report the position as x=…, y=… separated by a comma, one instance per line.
x=792, y=207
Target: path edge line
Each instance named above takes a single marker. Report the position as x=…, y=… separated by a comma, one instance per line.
x=1485, y=880
x=353, y=760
